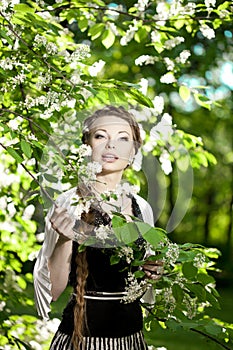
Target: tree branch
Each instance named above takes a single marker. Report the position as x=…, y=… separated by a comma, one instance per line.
x=36, y=55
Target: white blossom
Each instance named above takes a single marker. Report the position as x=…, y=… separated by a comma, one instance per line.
x=199, y=260
x=39, y=39
x=158, y=103
x=183, y=57
x=129, y=34
x=141, y=5
x=81, y=208
x=84, y=151
x=133, y=289
x=143, y=85
x=169, y=63
x=43, y=80
x=163, y=130
x=210, y=3
x=168, y=78
x=96, y=68
x=165, y=162
x=51, y=48
x=171, y=43
x=172, y=253
x=126, y=189
x=88, y=172
x=7, y=63
x=14, y=123
x=155, y=36
x=137, y=162
x=103, y=232
x=207, y=32
x=143, y=115
x=145, y=59
x=81, y=52
x=126, y=252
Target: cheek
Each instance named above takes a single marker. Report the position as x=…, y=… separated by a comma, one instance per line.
x=126, y=149
x=97, y=149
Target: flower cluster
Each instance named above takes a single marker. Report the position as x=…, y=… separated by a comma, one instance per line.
x=126, y=252
x=129, y=33
x=87, y=173
x=103, y=233
x=134, y=289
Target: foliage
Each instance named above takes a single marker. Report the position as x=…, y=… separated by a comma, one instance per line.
x=58, y=61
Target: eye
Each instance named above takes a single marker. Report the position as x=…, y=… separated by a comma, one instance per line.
x=99, y=136
x=124, y=138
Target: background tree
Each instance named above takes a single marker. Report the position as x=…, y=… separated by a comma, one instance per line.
x=170, y=63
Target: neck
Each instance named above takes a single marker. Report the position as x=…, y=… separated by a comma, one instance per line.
x=107, y=182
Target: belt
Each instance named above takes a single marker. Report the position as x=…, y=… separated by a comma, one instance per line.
x=103, y=295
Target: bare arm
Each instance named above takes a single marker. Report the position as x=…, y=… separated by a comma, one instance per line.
x=59, y=262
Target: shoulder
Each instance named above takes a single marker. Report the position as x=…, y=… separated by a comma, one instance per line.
x=146, y=210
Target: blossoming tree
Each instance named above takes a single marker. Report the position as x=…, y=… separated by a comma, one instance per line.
x=58, y=61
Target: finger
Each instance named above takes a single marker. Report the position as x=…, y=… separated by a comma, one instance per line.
x=154, y=262
x=152, y=276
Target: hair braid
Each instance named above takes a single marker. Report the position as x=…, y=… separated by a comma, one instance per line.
x=79, y=309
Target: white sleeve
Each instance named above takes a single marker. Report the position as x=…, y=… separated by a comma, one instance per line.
x=146, y=210
x=42, y=282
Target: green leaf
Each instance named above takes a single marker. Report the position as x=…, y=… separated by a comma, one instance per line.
x=205, y=279
x=114, y=259
x=15, y=154
x=118, y=220
x=127, y=233
x=198, y=291
x=51, y=178
x=83, y=24
x=203, y=101
x=154, y=236
x=184, y=93
x=177, y=292
x=141, y=34
x=26, y=148
x=189, y=270
x=159, y=47
x=96, y=30
x=139, y=274
x=23, y=8
x=139, y=97
x=108, y=39
x=5, y=36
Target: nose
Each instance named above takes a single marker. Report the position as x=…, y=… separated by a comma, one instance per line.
x=110, y=144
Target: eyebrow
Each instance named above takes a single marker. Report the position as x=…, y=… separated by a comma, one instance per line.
x=119, y=132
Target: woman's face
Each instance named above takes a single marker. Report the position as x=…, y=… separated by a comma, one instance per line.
x=112, y=143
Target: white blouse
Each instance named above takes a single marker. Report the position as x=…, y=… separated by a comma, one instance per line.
x=42, y=282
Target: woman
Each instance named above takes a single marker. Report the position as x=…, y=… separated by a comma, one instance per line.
x=95, y=317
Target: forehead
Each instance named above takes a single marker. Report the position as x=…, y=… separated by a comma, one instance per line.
x=111, y=122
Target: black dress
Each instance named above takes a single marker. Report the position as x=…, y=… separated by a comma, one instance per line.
x=110, y=324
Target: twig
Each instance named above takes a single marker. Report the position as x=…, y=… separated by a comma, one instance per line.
x=103, y=8
x=210, y=337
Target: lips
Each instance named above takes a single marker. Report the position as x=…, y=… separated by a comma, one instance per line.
x=109, y=157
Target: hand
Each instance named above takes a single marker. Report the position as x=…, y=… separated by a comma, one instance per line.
x=62, y=223
x=153, y=269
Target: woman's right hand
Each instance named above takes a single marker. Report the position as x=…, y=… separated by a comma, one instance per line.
x=62, y=223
